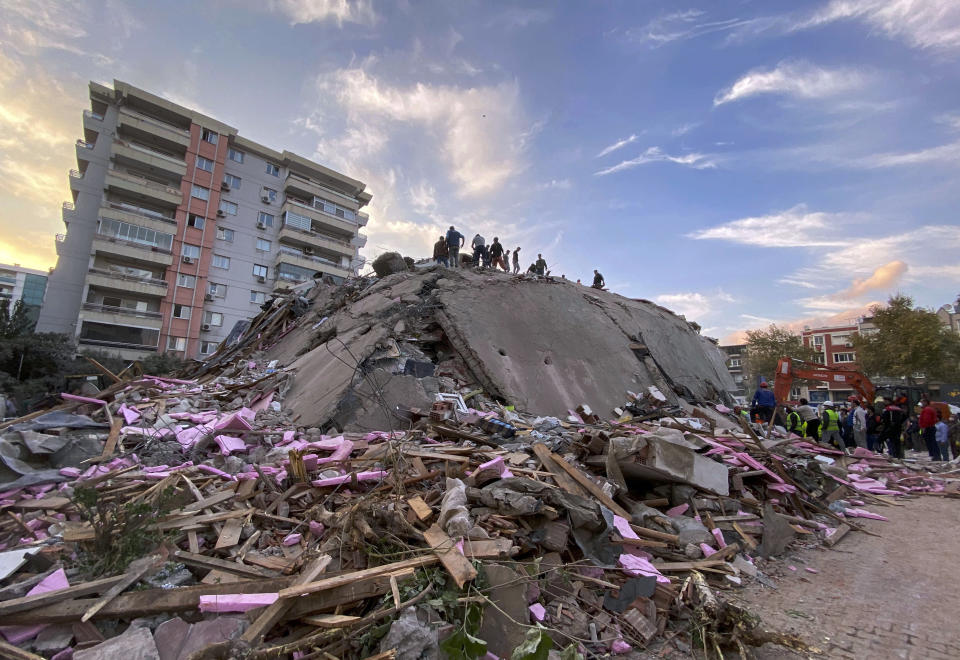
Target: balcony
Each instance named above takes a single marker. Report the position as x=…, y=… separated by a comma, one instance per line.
x=302, y=237
x=133, y=340
x=341, y=225
x=120, y=316
x=297, y=258
x=68, y=212
x=141, y=188
x=362, y=219
x=84, y=150
x=114, y=281
x=152, y=130
x=360, y=240
x=133, y=251
x=299, y=184
x=129, y=153
x=137, y=215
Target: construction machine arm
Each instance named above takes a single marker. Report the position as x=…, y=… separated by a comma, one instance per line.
x=788, y=369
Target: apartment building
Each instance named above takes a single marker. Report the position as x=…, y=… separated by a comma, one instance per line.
x=834, y=348
x=179, y=228
x=736, y=358
x=26, y=284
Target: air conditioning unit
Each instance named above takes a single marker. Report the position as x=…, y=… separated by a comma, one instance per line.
x=265, y=199
x=308, y=250
x=188, y=260
x=261, y=225
x=208, y=297
x=225, y=187
x=221, y=214
x=261, y=279
x=204, y=327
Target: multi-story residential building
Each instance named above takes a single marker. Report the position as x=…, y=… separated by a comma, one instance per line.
x=736, y=356
x=26, y=284
x=179, y=228
x=834, y=349
x=950, y=316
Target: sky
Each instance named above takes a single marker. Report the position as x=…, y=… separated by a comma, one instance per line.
x=739, y=162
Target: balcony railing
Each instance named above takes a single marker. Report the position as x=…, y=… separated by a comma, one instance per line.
x=69, y=206
x=142, y=246
x=304, y=179
x=76, y=174
x=317, y=234
x=139, y=210
x=128, y=278
x=153, y=185
x=150, y=152
x=93, y=115
x=156, y=122
x=297, y=202
x=60, y=238
x=308, y=257
x=84, y=144
x=107, y=309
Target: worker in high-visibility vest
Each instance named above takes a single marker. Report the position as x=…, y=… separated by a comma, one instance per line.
x=794, y=423
x=830, y=427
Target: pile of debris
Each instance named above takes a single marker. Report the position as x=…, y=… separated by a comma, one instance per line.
x=387, y=493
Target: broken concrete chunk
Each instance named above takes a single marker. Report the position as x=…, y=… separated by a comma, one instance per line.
x=411, y=639
x=134, y=644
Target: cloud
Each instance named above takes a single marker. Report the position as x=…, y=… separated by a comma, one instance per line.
x=520, y=17
x=424, y=198
x=799, y=79
x=555, y=184
x=617, y=145
x=933, y=24
x=679, y=26
x=945, y=153
x=319, y=11
x=843, y=315
x=684, y=129
x=483, y=133
x=694, y=306
x=795, y=227
x=882, y=279
x=695, y=160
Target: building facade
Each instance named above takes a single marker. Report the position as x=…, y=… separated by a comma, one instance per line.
x=736, y=358
x=26, y=284
x=834, y=348
x=180, y=228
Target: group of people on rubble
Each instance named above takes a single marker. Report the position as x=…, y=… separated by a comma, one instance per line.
x=446, y=251
x=876, y=427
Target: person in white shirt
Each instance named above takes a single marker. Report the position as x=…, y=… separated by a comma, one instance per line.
x=860, y=424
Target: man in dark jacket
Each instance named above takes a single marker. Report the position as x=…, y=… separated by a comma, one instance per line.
x=598, y=281
x=496, y=254
x=440, y=252
x=541, y=265
x=455, y=241
x=764, y=402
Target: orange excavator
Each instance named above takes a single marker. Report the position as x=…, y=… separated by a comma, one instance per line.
x=789, y=368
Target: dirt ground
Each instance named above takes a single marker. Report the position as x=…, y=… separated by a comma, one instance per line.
x=892, y=596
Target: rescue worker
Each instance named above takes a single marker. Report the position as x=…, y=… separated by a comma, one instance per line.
x=440, y=252
x=764, y=402
x=516, y=260
x=541, y=265
x=455, y=241
x=496, y=254
x=830, y=427
x=794, y=422
x=891, y=426
x=811, y=423
x=598, y=281
x=477, y=244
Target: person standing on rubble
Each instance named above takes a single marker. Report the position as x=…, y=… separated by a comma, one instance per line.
x=477, y=244
x=811, y=423
x=830, y=424
x=440, y=252
x=943, y=439
x=928, y=431
x=764, y=402
x=496, y=254
x=516, y=260
x=598, y=281
x=541, y=265
x=859, y=415
x=891, y=426
x=455, y=241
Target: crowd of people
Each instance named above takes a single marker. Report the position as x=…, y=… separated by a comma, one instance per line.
x=888, y=426
x=446, y=251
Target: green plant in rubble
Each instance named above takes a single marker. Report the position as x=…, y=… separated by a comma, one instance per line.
x=122, y=530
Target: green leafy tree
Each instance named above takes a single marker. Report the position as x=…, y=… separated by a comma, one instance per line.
x=908, y=341
x=16, y=323
x=765, y=347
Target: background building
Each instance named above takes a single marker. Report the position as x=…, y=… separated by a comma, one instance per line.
x=179, y=228
x=736, y=357
x=19, y=283
x=834, y=347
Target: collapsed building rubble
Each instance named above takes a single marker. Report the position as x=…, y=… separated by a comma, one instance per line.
x=387, y=468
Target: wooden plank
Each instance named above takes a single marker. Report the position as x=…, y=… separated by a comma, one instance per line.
x=199, y=521
x=564, y=480
x=14, y=653
x=727, y=552
x=589, y=486
x=208, y=502
x=347, y=594
x=144, y=603
x=109, y=374
x=52, y=503
x=193, y=542
x=834, y=538
x=38, y=600
x=230, y=534
x=487, y=548
x=212, y=563
x=420, y=508
x=749, y=540
x=340, y=580
x=671, y=567
x=111, y=445
x=137, y=569
x=275, y=612
x=643, y=543
x=331, y=621
x=452, y=559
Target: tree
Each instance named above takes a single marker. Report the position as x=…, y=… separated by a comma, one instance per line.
x=765, y=347
x=908, y=341
x=15, y=324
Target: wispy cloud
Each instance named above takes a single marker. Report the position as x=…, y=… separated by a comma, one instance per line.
x=619, y=144
x=694, y=305
x=679, y=26
x=799, y=79
x=696, y=161
x=555, y=184
x=794, y=227
x=684, y=129
x=320, y=11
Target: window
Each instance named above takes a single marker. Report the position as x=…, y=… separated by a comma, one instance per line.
x=333, y=209
x=181, y=311
x=230, y=208
x=234, y=155
x=213, y=318
x=273, y=169
x=818, y=358
x=258, y=297
x=192, y=251
x=208, y=347
x=265, y=219
x=209, y=136
x=200, y=193
x=187, y=281
x=135, y=234
x=735, y=362
x=217, y=290
x=176, y=343
x=259, y=271
x=268, y=195
x=844, y=357
x=196, y=221
x=225, y=234
x=204, y=164
x=221, y=262
x=232, y=181
x=297, y=221
x=263, y=244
